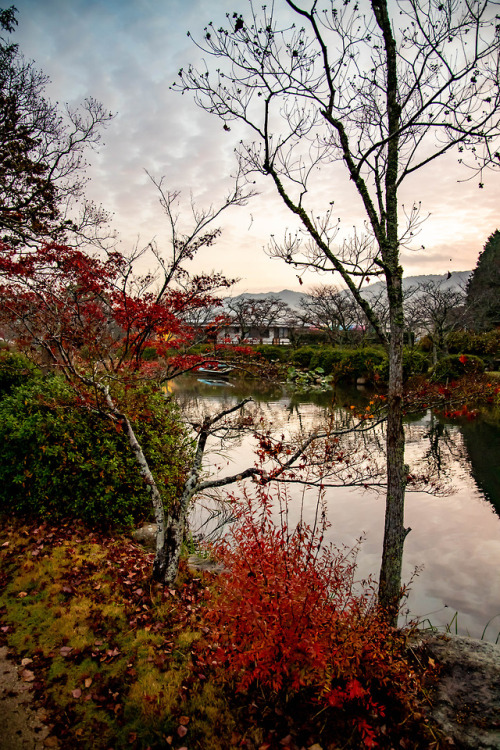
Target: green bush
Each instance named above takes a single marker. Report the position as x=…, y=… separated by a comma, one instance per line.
x=425, y=344
x=455, y=366
x=360, y=363
x=349, y=364
x=150, y=354
x=59, y=460
x=327, y=358
x=15, y=370
x=343, y=364
x=483, y=344
x=272, y=353
x=302, y=357
x=415, y=362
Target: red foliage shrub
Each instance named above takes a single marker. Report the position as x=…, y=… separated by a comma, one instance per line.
x=288, y=617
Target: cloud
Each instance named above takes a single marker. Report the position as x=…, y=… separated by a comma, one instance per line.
x=127, y=54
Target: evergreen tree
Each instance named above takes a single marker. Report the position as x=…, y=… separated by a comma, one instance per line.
x=483, y=289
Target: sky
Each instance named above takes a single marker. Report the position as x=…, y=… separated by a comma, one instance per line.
x=126, y=54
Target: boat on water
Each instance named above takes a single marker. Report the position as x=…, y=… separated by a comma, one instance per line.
x=213, y=372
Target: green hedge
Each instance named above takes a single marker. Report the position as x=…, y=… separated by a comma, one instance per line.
x=368, y=362
x=328, y=358
x=482, y=344
x=361, y=363
x=15, y=370
x=272, y=353
x=60, y=460
x=455, y=366
x=415, y=362
x=348, y=364
x=302, y=357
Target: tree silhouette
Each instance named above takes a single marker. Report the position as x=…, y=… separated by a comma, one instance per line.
x=331, y=310
x=257, y=315
x=42, y=164
x=483, y=288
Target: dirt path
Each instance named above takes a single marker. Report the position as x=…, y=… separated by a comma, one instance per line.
x=22, y=726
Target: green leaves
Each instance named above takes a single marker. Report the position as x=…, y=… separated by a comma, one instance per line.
x=15, y=370
x=455, y=366
x=59, y=459
x=309, y=380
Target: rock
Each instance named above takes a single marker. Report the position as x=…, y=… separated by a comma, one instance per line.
x=467, y=700
x=146, y=535
x=198, y=562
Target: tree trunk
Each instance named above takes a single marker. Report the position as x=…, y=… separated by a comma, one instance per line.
x=435, y=350
x=161, y=528
x=395, y=532
x=166, y=564
x=163, y=540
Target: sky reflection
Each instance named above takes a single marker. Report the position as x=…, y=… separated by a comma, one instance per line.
x=455, y=538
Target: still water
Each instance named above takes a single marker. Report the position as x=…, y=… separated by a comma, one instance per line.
x=455, y=535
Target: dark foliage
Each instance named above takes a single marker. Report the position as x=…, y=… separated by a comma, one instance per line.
x=15, y=370
x=485, y=344
x=59, y=459
x=350, y=364
x=483, y=289
x=273, y=353
x=302, y=357
x=41, y=153
x=455, y=366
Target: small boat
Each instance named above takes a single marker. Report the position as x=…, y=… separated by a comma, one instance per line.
x=213, y=372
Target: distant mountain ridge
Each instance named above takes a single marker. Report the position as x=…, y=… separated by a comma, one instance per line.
x=454, y=280
x=292, y=299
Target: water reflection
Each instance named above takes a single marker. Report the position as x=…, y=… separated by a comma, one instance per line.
x=482, y=441
x=455, y=535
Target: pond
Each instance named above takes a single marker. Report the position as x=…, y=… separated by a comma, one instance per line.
x=455, y=535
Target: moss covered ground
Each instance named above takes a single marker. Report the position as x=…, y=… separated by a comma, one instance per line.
x=120, y=662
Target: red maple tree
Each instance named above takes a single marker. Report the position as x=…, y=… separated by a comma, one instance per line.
x=91, y=317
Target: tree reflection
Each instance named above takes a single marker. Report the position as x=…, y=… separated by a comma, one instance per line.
x=482, y=441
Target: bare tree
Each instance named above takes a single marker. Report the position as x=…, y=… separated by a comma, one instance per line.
x=436, y=311
x=333, y=311
x=257, y=315
x=238, y=310
x=189, y=231
x=384, y=90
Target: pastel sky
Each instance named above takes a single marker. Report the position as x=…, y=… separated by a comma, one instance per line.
x=127, y=53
